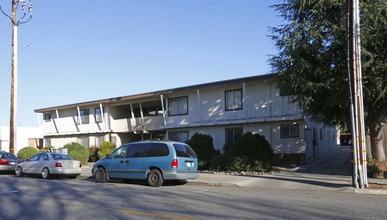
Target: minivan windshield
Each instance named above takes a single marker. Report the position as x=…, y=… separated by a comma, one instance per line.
x=183, y=150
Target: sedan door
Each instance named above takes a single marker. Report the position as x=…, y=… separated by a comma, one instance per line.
x=30, y=166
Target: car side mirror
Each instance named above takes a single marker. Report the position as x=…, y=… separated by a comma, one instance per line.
x=107, y=156
x=27, y=159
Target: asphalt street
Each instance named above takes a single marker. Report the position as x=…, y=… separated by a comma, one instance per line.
x=331, y=173
x=316, y=191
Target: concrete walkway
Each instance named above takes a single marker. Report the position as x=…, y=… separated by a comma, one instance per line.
x=332, y=173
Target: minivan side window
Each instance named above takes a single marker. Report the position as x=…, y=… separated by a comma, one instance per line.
x=183, y=150
x=136, y=150
x=119, y=153
x=157, y=150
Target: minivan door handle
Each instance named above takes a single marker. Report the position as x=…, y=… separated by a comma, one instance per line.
x=121, y=161
x=127, y=161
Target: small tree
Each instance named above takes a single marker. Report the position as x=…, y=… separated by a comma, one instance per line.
x=203, y=146
x=251, y=152
x=77, y=152
x=105, y=148
x=27, y=152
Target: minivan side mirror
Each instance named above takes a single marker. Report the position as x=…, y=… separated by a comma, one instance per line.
x=107, y=156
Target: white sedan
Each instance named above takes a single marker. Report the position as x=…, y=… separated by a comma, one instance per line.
x=50, y=164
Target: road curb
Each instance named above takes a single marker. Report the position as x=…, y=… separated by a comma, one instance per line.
x=215, y=184
x=371, y=192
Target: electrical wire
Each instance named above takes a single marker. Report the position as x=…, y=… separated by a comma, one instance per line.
x=57, y=26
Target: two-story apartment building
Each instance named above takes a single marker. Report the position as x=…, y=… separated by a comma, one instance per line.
x=224, y=110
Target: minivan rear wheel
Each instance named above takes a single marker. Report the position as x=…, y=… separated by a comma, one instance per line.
x=155, y=178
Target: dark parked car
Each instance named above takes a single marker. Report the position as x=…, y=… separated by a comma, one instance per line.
x=8, y=161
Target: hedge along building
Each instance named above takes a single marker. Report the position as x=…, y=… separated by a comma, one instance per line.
x=224, y=110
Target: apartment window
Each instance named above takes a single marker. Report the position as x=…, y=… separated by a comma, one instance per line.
x=98, y=115
x=47, y=117
x=233, y=99
x=84, y=141
x=98, y=140
x=180, y=136
x=232, y=134
x=84, y=116
x=289, y=131
x=47, y=142
x=178, y=106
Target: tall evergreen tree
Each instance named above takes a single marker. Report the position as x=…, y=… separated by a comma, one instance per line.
x=311, y=62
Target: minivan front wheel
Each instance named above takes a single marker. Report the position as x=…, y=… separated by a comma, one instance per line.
x=155, y=178
x=100, y=175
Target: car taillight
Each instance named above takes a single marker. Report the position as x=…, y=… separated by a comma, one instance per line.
x=58, y=165
x=174, y=163
x=80, y=165
x=3, y=162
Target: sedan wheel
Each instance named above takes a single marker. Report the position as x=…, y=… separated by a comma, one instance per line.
x=19, y=172
x=45, y=173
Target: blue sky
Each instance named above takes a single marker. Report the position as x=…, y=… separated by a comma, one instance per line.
x=83, y=50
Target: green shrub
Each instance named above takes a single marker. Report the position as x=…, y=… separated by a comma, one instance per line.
x=221, y=162
x=203, y=146
x=93, y=154
x=77, y=152
x=373, y=170
x=251, y=152
x=26, y=153
x=46, y=149
x=105, y=148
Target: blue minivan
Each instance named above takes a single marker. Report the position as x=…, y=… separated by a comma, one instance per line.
x=154, y=161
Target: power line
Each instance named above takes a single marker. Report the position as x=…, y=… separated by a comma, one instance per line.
x=57, y=26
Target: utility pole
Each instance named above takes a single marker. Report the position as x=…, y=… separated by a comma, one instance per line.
x=13, y=102
x=356, y=88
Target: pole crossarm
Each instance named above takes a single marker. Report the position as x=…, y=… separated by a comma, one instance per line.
x=15, y=5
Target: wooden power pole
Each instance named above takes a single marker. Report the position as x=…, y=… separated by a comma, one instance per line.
x=13, y=101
